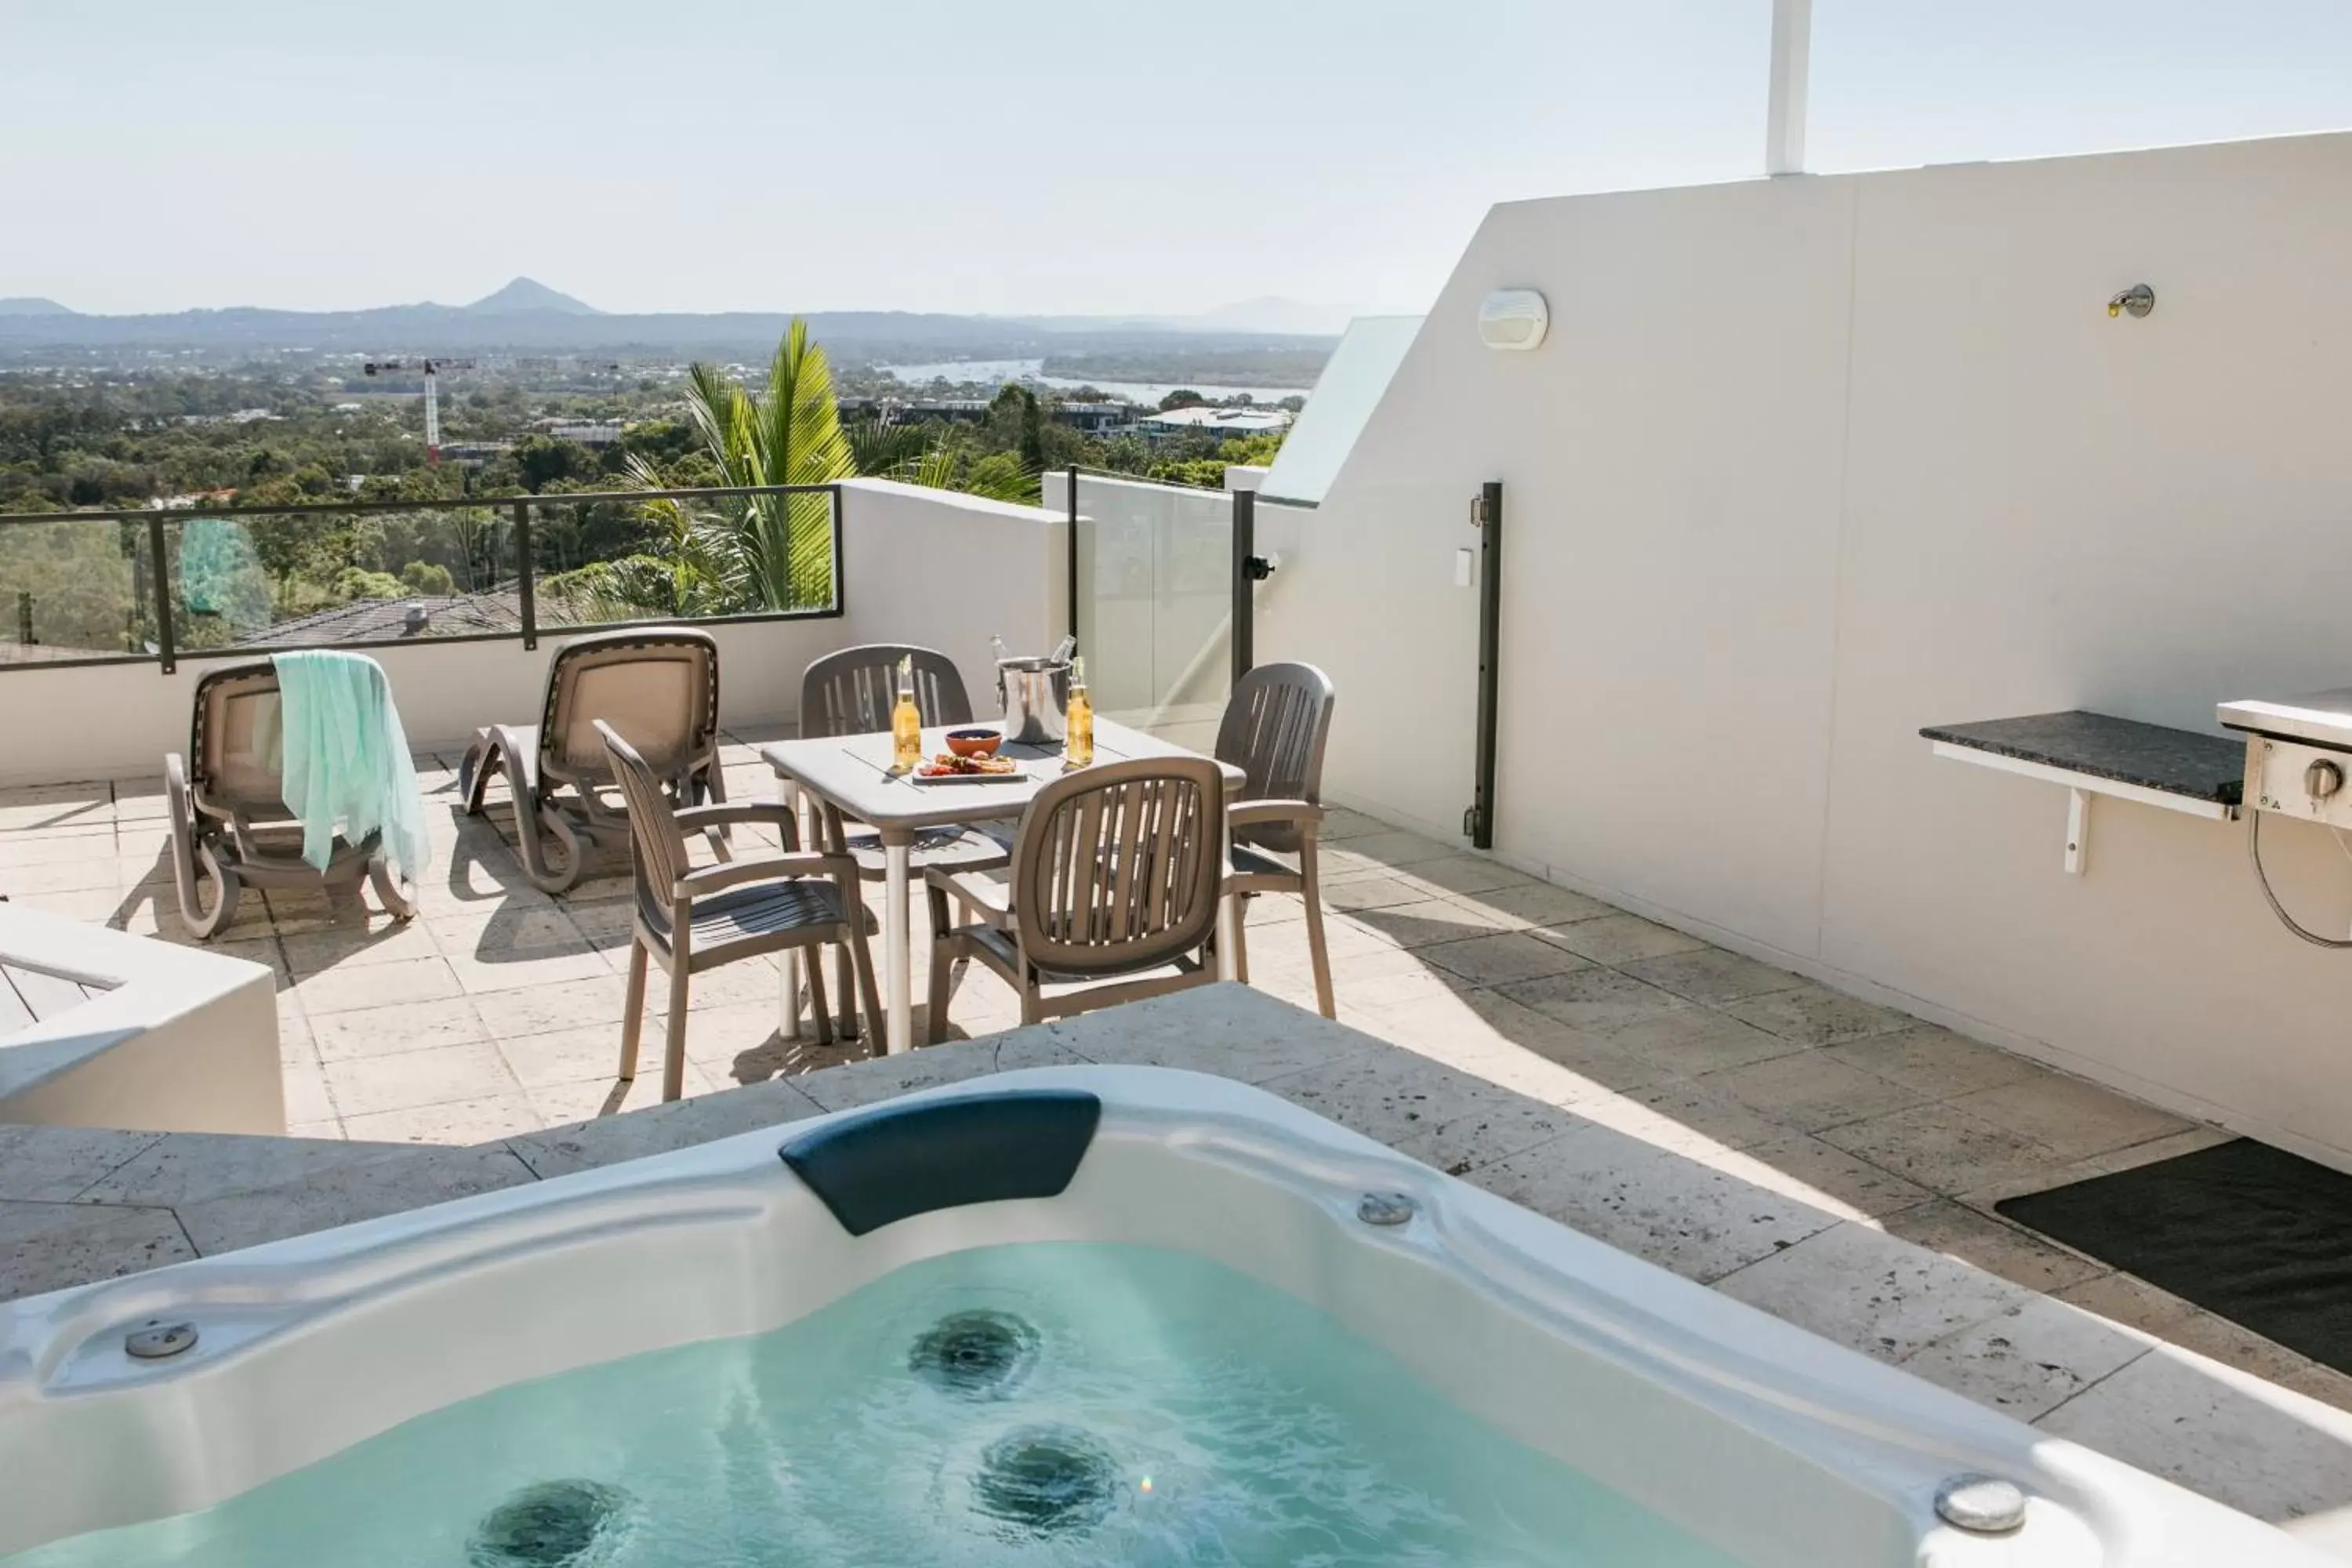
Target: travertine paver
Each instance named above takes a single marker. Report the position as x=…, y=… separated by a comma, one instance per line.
x=2030, y=1359
x=2217, y=1431
x=53, y=1164
x=1725, y=1118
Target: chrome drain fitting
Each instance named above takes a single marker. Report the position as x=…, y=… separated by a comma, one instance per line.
x=1981, y=1505
x=1385, y=1208
x=158, y=1341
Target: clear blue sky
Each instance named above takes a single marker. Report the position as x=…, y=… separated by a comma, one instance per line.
x=1035, y=155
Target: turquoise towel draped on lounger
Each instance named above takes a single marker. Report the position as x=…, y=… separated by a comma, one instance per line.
x=346, y=757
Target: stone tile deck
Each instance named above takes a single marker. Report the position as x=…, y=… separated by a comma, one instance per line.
x=1828, y=1160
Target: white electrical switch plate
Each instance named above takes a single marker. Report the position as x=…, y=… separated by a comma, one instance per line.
x=1462, y=568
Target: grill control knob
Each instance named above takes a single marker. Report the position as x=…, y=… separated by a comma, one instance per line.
x=2322, y=779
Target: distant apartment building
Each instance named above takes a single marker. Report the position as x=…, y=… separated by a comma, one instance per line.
x=1091, y=417
x=1224, y=424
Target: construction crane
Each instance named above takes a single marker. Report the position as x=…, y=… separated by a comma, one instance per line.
x=432, y=369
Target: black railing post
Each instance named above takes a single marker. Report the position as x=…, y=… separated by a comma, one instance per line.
x=1245, y=569
x=1478, y=822
x=527, y=574
x=166, y=654
x=836, y=496
x=1071, y=544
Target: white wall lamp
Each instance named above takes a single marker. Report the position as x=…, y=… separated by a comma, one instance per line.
x=1512, y=319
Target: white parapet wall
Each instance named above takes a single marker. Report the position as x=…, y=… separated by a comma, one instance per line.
x=1806, y=464
x=175, y=1040
x=919, y=566
x=949, y=570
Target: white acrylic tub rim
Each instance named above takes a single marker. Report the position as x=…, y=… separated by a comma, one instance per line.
x=1783, y=1450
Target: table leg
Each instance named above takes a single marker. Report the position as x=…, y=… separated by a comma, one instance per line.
x=897, y=977
x=1229, y=908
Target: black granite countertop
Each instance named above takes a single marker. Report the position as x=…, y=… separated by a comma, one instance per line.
x=2177, y=761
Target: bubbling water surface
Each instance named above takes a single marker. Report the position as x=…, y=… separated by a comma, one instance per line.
x=1049, y=1406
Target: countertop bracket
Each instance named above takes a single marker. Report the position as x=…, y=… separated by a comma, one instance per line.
x=2092, y=755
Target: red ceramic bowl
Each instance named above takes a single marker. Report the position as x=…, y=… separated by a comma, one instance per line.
x=975, y=742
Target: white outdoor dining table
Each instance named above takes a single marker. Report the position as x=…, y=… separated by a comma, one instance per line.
x=853, y=775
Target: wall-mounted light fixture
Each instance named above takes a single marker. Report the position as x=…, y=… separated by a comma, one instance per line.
x=1512, y=319
x=2135, y=302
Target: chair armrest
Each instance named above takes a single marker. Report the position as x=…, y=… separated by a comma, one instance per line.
x=1248, y=813
x=769, y=813
x=768, y=868
x=989, y=899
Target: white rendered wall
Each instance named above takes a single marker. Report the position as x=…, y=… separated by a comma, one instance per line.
x=949, y=570
x=921, y=565
x=1809, y=463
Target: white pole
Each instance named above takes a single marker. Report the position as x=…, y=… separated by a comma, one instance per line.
x=1784, y=115
x=432, y=417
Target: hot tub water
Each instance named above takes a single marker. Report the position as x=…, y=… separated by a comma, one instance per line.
x=1048, y=1403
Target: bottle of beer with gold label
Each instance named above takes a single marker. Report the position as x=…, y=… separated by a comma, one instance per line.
x=1079, y=746
x=906, y=722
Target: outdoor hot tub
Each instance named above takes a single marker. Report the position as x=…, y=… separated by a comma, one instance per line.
x=1081, y=1315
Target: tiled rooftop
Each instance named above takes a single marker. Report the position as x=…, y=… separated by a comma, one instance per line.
x=1726, y=1119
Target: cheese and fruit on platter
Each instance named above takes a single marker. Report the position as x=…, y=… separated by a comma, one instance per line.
x=970, y=758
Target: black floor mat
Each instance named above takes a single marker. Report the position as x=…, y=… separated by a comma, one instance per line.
x=2259, y=1236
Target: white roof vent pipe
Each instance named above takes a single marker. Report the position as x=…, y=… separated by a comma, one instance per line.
x=1512, y=319
x=1784, y=113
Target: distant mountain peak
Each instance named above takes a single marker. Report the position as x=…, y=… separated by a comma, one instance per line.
x=528, y=294
x=32, y=305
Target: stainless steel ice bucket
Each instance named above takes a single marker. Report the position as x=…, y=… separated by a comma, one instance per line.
x=1036, y=695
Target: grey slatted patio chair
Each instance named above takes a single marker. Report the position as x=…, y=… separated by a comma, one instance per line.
x=851, y=694
x=659, y=686
x=1276, y=724
x=1115, y=873
x=689, y=921
x=230, y=822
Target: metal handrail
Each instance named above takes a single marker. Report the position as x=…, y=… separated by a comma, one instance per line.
x=1095, y=473
x=165, y=653
x=292, y=509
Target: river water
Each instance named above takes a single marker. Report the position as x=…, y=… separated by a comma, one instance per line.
x=996, y=371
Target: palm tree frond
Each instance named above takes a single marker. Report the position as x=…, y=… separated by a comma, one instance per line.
x=763, y=552
x=881, y=448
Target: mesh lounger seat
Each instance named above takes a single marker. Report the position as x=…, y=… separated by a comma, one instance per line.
x=230, y=822
x=658, y=686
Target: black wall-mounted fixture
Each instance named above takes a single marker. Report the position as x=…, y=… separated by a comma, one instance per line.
x=1486, y=517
